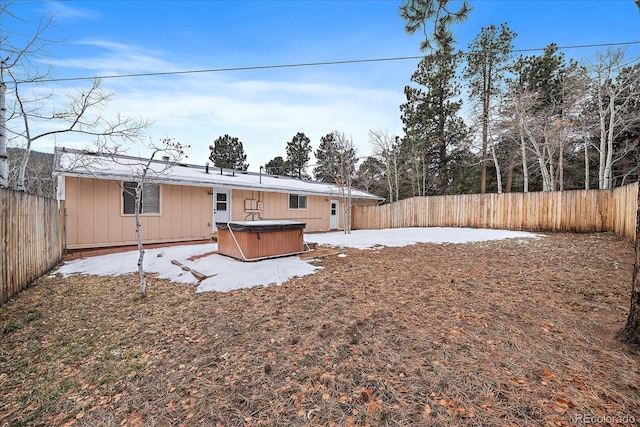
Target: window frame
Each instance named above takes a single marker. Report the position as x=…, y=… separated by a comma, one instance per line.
x=298, y=198
x=127, y=192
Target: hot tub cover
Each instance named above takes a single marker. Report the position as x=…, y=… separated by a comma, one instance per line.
x=261, y=226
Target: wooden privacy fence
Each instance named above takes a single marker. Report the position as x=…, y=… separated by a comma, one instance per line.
x=30, y=240
x=577, y=211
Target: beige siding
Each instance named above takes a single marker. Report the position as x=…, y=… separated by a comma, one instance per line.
x=95, y=219
x=276, y=206
x=94, y=215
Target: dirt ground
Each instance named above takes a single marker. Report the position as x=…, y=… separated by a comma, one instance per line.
x=514, y=332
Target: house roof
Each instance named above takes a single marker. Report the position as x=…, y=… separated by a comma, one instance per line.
x=85, y=164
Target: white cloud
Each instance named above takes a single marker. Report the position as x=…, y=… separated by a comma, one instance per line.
x=63, y=11
x=111, y=58
x=195, y=109
x=264, y=110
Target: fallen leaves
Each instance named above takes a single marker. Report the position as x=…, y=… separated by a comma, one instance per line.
x=522, y=333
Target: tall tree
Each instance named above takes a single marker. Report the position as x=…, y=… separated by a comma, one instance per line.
x=614, y=88
x=4, y=159
x=15, y=57
x=299, y=153
x=386, y=149
x=228, y=152
x=631, y=330
x=487, y=60
x=22, y=111
x=536, y=103
x=329, y=159
x=278, y=166
x=346, y=159
x=421, y=14
x=371, y=177
x=431, y=114
x=38, y=175
x=145, y=173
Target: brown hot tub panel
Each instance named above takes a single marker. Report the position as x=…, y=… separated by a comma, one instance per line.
x=256, y=240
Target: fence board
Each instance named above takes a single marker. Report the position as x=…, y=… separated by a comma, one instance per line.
x=30, y=240
x=581, y=211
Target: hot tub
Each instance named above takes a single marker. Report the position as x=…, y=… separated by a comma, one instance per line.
x=256, y=240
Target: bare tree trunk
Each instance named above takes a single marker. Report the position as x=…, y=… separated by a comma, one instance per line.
x=631, y=330
x=603, y=144
x=389, y=180
x=424, y=176
x=396, y=175
x=20, y=185
x=561, y=164
x=586, y=165
x=625, y=171
x=143, y=279
x=512, y=165
x=552, y=176
x=497, y=165
x=541, y=152
x=546, y=186
x=347, y=204
x=485, y=137
x=4, y=159
x=523, y=150
x=609, y=162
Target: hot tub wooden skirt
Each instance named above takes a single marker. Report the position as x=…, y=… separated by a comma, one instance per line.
x=256, y=240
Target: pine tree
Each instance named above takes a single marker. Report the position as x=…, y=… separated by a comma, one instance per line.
x=371, y=177
x=228, y=152
x=431, y=116
x=419, y=13
x=298, y=154
x=487, y=60
x=327, y=159
x=278, y=166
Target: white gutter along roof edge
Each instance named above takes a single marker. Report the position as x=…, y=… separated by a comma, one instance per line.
x=170, y=178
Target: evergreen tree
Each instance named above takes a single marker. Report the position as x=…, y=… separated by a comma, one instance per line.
x=228, y=152
x=419, y=13
x=327, y=159
x=487, y=60
x=298, y=154
x=371, y=177
x=431, y=115
x=278, y=166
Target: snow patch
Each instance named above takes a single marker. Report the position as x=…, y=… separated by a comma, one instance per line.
x=397, y=237
x=225, y=274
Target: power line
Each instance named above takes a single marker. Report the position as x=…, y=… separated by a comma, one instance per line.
x=296, y=65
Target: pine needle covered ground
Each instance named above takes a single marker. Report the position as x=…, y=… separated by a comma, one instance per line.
x=513, y=332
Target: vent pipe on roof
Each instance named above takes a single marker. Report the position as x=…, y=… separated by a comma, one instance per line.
x=206, y=167
x=261, y=174
x=165, y=158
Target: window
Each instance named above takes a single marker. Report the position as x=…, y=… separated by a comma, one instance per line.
x=150, y=198
x=297, y=201
x=221, y=201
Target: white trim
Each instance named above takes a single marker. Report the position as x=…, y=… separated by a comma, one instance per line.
x=226, y=191
x=61, y=190
x=337, y=215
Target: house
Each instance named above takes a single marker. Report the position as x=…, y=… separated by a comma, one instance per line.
x=181, y=202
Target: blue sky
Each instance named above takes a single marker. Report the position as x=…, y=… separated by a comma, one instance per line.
x=265, y=108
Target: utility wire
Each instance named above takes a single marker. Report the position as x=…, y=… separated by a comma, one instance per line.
x=296, y=65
